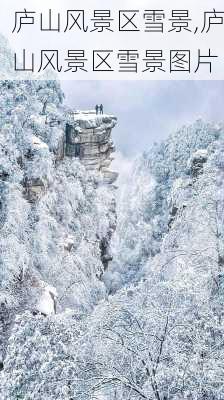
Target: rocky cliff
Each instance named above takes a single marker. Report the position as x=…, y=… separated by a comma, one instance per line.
x=57, y=203
x=80, y=135
x=88, y=137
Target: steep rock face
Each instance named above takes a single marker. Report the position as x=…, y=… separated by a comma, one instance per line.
x=105, y=242
x=182, y=188
x=55, y=216
x=82, y=135
x=34, y=184
x=197, y=161
x=180, y=193
x=88, y=137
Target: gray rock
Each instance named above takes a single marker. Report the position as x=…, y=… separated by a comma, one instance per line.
x=88, y=137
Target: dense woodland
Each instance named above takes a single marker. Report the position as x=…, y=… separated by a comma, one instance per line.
x=149, y=326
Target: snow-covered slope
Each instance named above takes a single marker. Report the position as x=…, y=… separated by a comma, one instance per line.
x=56, y=218
x=160, y=179
x=76, y=325
x=159, y=335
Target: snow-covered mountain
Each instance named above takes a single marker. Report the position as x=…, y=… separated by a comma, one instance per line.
x=80, y=320
x=56, y=217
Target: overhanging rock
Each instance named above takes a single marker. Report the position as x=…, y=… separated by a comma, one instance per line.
x=88, y=137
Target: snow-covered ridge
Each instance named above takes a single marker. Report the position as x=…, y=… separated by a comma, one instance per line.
x=147, y=326
x=56, y=217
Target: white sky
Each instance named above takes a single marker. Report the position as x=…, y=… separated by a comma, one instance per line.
x=148, y=111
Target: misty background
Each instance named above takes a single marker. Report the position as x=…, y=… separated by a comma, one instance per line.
x=148, y=111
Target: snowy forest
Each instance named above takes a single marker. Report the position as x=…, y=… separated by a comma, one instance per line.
x=108, y=293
